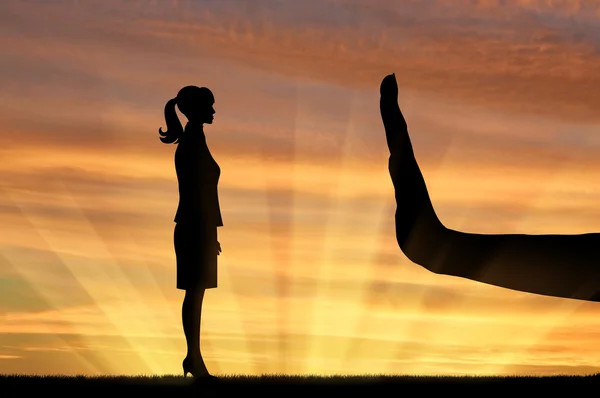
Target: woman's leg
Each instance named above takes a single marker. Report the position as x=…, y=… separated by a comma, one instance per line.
x=191, y=318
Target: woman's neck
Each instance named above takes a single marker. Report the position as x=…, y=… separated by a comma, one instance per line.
x=193, y=125
x=194, y=131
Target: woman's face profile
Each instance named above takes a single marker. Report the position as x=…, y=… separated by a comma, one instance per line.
x=206, y=112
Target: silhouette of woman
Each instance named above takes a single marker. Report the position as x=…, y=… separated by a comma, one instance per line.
x=553, y=265
x=198, y=213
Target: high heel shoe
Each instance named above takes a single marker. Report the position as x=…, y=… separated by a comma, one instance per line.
x=190, y=366
x=187, y=367
x=197, y=369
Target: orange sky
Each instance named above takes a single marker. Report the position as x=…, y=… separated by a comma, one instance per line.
x=502, y=108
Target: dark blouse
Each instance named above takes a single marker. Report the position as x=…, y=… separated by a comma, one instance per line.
x=197, y=175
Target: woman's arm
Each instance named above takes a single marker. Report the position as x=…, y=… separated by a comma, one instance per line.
x=553, y=265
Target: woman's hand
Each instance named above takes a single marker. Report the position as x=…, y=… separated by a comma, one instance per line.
x=389, y=87
x=218, y=248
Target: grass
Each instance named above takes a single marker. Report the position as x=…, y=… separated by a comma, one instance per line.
x=301, y=386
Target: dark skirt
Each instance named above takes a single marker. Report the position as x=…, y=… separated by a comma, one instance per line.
x=196, y=253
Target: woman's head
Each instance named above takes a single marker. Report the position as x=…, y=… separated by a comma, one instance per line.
x=196, y=104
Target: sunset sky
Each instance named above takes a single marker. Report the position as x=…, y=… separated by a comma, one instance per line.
x=503, y=107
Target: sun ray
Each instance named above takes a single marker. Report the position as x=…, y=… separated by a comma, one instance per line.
x=265, y=312
x=366, y=273
x=279, y=262
x=323, y=267
x=161, y=305
x=309, y=217
x=349, y=221
x=372, y=300
x=32, y=276
x=367, y=230
x=102, y=277
x=295, y=328
x=280, y=206
x=236, y=266
x=93, y=365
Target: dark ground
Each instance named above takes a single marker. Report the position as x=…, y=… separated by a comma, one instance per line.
x=285, y=386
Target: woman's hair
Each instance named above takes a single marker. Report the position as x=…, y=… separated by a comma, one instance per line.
x=187, y=99
x=174, y=127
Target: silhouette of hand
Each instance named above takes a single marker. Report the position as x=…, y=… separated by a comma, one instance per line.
x=389, y=87
x=218, y=248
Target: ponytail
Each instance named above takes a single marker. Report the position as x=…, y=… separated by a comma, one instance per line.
x=174, y=127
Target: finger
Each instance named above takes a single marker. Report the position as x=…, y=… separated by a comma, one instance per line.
x=388, y=82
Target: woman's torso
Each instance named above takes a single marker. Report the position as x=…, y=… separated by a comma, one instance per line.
x=198, y=177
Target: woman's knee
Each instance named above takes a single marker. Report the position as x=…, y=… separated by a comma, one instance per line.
x=194, y=294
